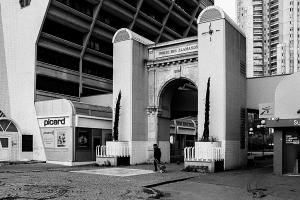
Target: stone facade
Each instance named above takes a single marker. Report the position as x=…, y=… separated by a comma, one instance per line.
x=148, y=73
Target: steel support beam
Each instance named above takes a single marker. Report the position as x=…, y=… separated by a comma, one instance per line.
x=85, y=43
x=138, y=8
x=165, y=22
x=192, y=18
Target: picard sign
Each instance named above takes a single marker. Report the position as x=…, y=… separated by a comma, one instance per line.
x=54, y=122
x=177, y=50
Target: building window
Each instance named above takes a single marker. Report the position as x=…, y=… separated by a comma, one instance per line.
x=4, y=142
x=24, y=3
x=27, y=143
x=243, y=128
x=2, y=114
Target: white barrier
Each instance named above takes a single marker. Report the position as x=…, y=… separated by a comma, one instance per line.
x=189, y=153
x=217, y=154
x=214, y=154
x=112, y=151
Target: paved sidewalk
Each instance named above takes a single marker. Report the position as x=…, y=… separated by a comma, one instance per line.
x=46, y=181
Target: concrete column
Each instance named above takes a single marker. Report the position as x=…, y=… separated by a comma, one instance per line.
x=131, y=78
x=222, y=58
x=152, y=113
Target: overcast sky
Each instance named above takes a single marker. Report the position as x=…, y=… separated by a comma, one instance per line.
x=228, y=6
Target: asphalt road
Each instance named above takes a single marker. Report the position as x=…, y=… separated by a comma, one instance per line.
x=235, y=185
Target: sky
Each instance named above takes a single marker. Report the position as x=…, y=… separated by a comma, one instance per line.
x=228, y=6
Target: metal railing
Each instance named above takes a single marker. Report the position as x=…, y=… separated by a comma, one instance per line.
x=216, y=154
x=112, y=151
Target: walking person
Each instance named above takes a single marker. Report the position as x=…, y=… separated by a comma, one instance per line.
x=157, y=155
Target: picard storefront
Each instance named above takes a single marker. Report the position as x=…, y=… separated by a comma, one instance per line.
x=71, y=130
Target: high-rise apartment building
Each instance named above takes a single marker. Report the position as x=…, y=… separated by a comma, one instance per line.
x=271, y=27
x=250, y=19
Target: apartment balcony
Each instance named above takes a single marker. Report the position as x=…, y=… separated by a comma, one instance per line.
x=257, y=62
x=258, y=68
x=64, y=74
x=274, y=29
x=257, y=44
x=257, y=38
x=54, y=43
x=257, y=8
x=256, y=50
x=257, y=57
x=41, y=95
x=258, y=26
x=72, y=18
x=273, y=55
x=273, y=61
x=257, y=3
x=257, y=20
x=275, y=22
x=257, y=32
x=274, y=36
x=273, y=17
x=274, y=42
x=274, y=11
x=273, y=66
x=274, y=4
x=257, y=14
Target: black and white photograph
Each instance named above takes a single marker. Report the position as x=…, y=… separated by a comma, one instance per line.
x=149, y=99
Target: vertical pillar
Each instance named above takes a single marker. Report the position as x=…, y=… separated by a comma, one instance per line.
x=222, y=58
x=131, y=78
x=152, y=112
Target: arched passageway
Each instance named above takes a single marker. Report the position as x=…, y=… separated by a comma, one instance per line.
x=177, y=122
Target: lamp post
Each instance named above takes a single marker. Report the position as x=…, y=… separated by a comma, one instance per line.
x=250, y=134
x=262, y=127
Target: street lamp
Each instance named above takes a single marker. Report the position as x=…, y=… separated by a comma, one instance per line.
x=251, y=133
x=262, y=127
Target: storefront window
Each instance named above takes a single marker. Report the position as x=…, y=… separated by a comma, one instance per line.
x=83, y=139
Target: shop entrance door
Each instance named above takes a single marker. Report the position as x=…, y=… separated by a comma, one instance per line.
x=96, y=142
x=6, y=148
x=291, y=151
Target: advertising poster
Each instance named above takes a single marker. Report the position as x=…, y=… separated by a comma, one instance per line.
x=61, y=138
x=83, y=140
x=48, y=138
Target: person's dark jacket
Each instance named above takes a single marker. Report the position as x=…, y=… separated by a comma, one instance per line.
x=157, y=153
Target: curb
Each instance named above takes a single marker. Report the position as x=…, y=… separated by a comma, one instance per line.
x=3, y=163
x=167, y=182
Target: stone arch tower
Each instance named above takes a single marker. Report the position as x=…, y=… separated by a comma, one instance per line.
x=141, y=69
x=223, y=60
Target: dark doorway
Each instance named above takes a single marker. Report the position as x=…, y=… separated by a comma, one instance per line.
x=291, y=151
x=96, y=142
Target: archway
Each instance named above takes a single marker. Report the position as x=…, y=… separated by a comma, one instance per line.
x=177, y=121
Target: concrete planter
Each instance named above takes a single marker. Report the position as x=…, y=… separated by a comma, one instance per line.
x=204, y=150
x=114, y=153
